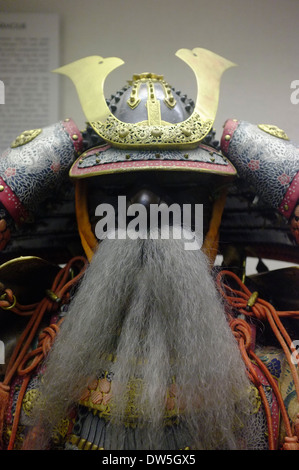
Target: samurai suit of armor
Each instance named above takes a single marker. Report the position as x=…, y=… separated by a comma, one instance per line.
x=136, y=342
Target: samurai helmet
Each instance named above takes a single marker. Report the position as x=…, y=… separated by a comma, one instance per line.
x=147, y=126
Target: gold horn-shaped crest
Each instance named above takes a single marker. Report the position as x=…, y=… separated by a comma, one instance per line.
x=89, y=75
x=208, y=68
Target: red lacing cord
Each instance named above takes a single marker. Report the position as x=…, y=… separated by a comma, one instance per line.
x=22, y=354
x=250, y=305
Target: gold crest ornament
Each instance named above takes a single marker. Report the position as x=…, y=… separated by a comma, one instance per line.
x=25, y=137
x=89, y=74
x=273, y=130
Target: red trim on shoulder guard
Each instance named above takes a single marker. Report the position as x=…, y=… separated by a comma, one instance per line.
x=229, y=128
x=74, y=133
x=12, y=204
x=291, y=198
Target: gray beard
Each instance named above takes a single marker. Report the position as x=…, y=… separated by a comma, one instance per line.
x=154, y=306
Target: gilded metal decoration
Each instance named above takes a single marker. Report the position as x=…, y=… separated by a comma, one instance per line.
x=208, y=68
x=89, y=74
x=25, y=137
x=150, y=79
x=153, y=106
x=273, y=130
x=186, y=133
x=134, y=99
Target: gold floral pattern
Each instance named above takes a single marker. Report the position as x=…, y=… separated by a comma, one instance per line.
x=274, y=130
x=25, y=137
x=188, y=132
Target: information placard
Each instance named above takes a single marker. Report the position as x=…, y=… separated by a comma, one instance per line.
x=29, y=50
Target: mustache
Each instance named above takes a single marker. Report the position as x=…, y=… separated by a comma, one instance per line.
x=147, y=312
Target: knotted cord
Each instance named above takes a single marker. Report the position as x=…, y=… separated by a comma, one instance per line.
x=24, y=361
x=22, y=355
x=250, y=305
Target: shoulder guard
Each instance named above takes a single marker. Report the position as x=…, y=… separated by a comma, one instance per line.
x=35, y=166
x=265, y=157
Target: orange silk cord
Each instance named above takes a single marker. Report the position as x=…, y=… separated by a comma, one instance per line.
x=238, y=300
x=22, y=353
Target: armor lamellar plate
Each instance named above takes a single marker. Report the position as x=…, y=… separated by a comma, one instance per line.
x=265, y=159
x=35, y=166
